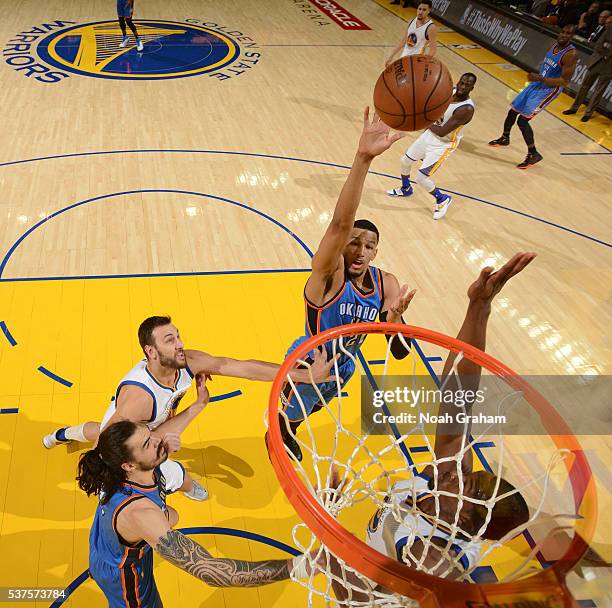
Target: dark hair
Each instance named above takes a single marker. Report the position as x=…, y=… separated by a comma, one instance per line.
x=469, y=75
x=428, y=2
x=100, y=469
x=145, y=331
x=367, y=225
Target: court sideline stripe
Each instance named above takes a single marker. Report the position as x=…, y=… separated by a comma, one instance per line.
x=585, y=153
x=225, y=396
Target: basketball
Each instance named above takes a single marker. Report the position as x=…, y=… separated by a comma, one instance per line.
x=413, y=92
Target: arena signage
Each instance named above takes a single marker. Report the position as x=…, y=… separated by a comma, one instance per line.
x=339, y=15
x=312, y=13
x=513, y=39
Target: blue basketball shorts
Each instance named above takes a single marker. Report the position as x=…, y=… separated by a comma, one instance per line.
x=125, y=8
x=534, y=98
x=299, y=404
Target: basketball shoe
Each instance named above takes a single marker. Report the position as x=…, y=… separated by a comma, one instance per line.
x=504, y=140
x=401, y=191
x=531, y=159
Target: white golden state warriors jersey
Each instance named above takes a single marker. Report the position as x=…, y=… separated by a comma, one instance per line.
x=416, y=37
x=165, y=398
x=454, y=137
x=390, y=537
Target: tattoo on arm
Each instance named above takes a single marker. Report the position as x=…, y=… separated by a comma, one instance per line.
x=188, y=555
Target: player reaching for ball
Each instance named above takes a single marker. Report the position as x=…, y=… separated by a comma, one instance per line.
x=421, y=522
x=436, y=144
x=343, y=287
x=420, y=36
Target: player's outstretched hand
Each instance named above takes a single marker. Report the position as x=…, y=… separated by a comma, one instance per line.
x=490, y=283
x=533, y=77
x=376, y=136
x=323, y=367
x=400, y=304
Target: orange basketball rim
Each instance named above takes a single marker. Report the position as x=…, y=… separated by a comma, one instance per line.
x=543, y=589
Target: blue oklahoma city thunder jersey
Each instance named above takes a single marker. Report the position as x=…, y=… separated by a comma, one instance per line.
x=349, y=305
x=124, y=571
x=551, y=66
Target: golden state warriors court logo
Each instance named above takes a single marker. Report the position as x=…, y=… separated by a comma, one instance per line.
x=171, y=50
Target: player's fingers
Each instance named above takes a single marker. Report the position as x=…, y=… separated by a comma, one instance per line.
x=334, y=477
x=523, y=261
x=513, y=260
x=366, y=116
x=409, y=297
x=507, y=270
x=485, y=273
x=331, y=368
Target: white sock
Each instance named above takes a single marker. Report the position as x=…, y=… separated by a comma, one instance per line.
x=75, y=433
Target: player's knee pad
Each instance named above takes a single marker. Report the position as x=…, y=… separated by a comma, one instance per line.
x=424, y=181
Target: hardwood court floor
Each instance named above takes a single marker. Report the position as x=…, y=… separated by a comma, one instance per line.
x=181, y=191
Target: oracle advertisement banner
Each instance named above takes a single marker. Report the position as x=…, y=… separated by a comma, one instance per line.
x=513, y=39
x=337, y=13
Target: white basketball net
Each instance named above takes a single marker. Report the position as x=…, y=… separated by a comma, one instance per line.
x=369, y=466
